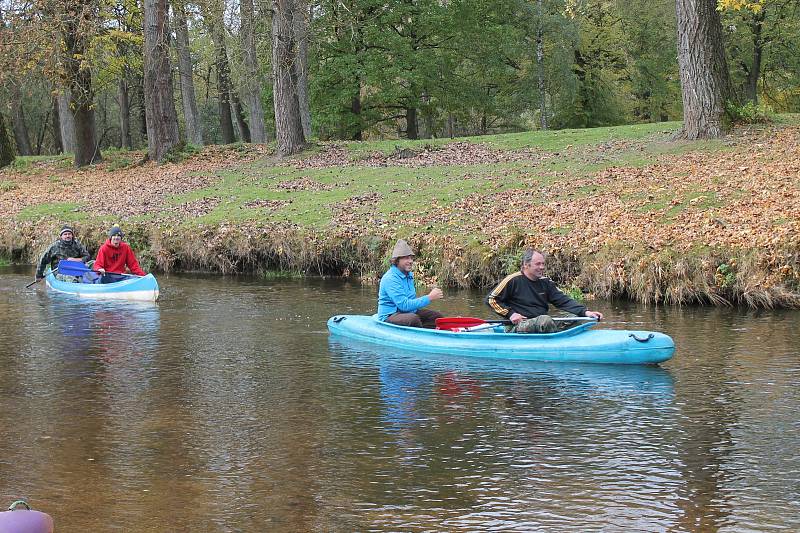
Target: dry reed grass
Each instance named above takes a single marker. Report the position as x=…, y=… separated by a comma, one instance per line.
x=755, y=278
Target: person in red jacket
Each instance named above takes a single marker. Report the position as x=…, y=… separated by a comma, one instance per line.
x=114, y=255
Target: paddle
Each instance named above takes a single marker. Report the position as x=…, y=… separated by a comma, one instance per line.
x=77, y=268
x=468, y=323
x=33, y=283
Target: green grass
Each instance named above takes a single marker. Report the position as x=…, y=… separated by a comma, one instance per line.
x=8, y=185
x=421, y=191
x=61, y=211
x=24, y=164
x=561, y=139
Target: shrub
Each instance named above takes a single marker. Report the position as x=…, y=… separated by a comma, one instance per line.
x=749, y=113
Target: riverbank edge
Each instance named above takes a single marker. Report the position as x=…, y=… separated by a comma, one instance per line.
x=755, y=277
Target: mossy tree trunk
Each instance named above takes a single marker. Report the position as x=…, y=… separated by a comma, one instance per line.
x=6, y=148
x=288, y=123
x=162, y=119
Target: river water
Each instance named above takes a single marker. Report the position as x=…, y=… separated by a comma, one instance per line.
x=227, y=407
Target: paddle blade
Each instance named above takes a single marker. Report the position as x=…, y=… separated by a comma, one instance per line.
x=72, y=268
x=456, y=322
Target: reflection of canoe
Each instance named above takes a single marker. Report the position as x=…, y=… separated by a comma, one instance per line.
x=594, y=379
x=577, y=345
x=132, y=288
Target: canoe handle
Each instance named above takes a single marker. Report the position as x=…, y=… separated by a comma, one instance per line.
x=13, y=506
x=338, y=319
x=650, y=336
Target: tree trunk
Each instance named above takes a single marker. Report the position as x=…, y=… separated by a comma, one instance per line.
x=540, y=66
x=754, y=74
x=81, y=91
x=705, y=82
x=223, y=75
x=18, y=124
x=252, y=90
x=58, y=145
x=241, y=123
x=288, y=124
x=6, y=149
x=162, y=120
x=66, y=122
x=355, y=107
x=124, y=115
x=87, y=150
x=411, y=123
x=194, y=133
x=301, y=34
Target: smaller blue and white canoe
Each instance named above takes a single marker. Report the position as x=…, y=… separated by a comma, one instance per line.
x=576, y=345
x=139, y=288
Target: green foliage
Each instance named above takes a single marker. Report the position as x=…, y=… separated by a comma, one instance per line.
x=8, y=185
x=749, y=113
x=574, y=292
x=180, y=152
x=725, y=276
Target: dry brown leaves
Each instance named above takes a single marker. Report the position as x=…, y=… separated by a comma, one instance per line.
x=303, y=184
x=452, y=154
x=270, y=205
x=128, y=191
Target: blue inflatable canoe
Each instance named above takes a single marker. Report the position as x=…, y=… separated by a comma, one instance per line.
x=579, y=344
x=144, y=288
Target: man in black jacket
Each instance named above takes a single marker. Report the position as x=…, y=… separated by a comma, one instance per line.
x=66, y=247
x=524, y=298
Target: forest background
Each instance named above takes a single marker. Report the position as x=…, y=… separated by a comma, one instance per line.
x=96, y=79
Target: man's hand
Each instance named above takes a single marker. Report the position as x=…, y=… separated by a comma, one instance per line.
x=594, y=314
x=516, y=318
x=102, y=270
x=436, y=294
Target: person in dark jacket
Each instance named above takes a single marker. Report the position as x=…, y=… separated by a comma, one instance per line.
x=66, y=247
x=524, y=298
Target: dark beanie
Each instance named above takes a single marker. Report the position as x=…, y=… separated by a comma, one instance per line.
x=115, y=230
x=65, y=228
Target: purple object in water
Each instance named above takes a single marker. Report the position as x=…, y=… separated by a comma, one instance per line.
x=25, y=520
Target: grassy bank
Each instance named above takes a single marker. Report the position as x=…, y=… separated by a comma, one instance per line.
x=623, y=212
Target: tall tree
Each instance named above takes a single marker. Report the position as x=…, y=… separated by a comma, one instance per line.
x=79, y=19
x=252, y=91
x=19, y=125
x=194, y=133
x=214, y=18
x=288, y=124
x=58, y=145
x=6, y=149
x=302, y=35
x=540, y=70
x=66, y=122
x=125, y=141
x=705, y=81
x=162, y=120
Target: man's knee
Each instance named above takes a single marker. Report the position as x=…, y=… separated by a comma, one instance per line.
x=405, y=319
x=540, y=324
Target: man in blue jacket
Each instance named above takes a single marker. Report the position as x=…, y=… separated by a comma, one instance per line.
x=397, y=297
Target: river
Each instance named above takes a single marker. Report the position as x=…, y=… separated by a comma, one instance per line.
x=226, y=407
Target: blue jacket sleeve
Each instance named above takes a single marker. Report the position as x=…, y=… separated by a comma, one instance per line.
x=404, y=299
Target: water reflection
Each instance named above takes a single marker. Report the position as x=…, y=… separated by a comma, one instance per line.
x=228, y=400
x=511, y=429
